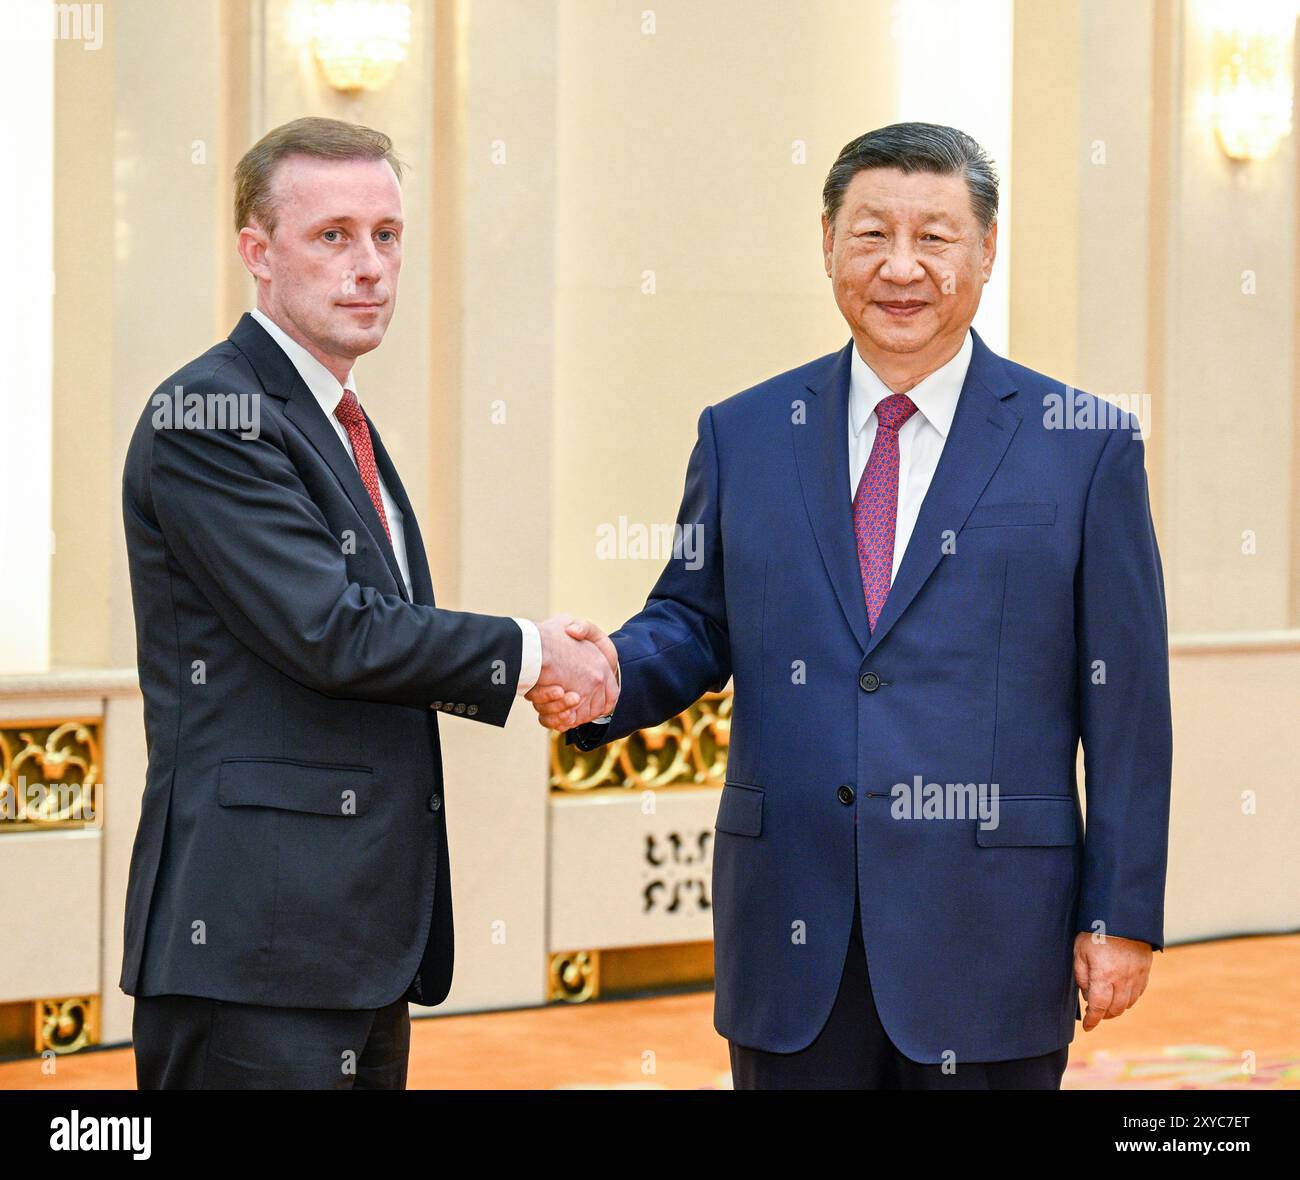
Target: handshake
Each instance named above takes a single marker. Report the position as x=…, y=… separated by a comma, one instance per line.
x=579, y=678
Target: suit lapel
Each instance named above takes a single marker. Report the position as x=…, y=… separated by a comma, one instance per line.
x=416, y=560
x=982, y=429
x=821, y=450
x=281, y=379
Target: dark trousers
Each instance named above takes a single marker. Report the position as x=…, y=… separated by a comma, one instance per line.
x=195, y=1043
x=853, y=1052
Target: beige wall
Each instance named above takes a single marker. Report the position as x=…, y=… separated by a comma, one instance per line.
x=1229, y=362
x=1138, y=243
x=27, y=90
x=137, y=184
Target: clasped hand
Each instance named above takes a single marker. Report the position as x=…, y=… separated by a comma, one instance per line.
x=579, y=677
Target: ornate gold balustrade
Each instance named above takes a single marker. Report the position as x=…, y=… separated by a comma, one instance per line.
x=50, y=774
x=688, y=750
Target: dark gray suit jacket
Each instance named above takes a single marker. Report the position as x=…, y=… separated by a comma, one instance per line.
x=292, y=847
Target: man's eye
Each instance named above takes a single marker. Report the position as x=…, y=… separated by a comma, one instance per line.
x=392, y=236
x=326, y=234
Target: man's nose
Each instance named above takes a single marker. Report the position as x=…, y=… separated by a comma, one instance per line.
x=901, y=264
x=367, y=266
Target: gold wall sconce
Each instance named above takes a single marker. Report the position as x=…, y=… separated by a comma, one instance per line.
x=359, y=44
x=1253, y=75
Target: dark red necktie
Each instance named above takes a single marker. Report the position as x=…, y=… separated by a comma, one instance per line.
x=348, y=412
x=875, y=506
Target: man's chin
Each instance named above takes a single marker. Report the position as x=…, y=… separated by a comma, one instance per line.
x=360, y=341
x=899, y=336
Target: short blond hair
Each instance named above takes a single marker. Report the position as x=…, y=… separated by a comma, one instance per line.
x=326, y=139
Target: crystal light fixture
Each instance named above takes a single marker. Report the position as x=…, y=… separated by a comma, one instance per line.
x=360, y=43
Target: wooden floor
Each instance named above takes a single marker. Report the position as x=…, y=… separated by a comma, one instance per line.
x=1209, y=1008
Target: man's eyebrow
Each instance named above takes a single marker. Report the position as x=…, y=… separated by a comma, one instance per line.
x=347, y=219
x=927, y=215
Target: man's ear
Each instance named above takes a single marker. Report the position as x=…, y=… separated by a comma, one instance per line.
x=828, y=243
x=252, y=244
x=990, y=248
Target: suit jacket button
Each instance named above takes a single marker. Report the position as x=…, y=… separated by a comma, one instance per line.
x=869, y=681
x=471, y=710
x=436, y=705
x=845, y=794
x=435, y=802
x=460, y=708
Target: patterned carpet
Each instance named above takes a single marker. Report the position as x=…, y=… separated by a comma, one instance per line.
x=1183, y=1067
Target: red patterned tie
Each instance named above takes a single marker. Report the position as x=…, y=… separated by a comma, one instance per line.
x=875, y=506
x=348, y=412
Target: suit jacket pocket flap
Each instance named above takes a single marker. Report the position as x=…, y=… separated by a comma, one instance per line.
x=741, y=810
x=988, y=515
x=318, y=787
x=1042, y=820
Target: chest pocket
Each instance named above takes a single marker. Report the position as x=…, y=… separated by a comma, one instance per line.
x=984, y=516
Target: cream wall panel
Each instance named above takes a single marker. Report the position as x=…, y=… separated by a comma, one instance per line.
x=1230, y=355
x=125, y=766
x=1231, y=872
x=1114, y=144
x=1045, y=280
x=623, y=876
x=50, y=924
x=166, y=186
x=86, y=512
x=26, y=122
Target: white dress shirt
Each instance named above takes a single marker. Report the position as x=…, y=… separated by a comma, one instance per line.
x=327, y=391
x=920, y=439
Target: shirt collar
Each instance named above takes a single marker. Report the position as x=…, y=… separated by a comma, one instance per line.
x=935, y=396
x=323, y=384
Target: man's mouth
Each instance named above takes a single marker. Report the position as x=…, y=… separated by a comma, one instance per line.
x=901, y=308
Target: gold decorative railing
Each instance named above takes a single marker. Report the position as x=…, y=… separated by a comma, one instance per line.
x=49, y=775
x=66, y=1025
x=688, y=750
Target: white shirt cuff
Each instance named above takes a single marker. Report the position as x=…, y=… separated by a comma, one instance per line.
x=530, y=664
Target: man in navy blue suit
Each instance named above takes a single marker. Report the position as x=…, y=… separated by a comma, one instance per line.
x=930, y=572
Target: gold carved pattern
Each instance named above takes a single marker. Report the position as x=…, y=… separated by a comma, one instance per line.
x=579, y=976
x=687, y=750
x=66, y=1025
x=575, y=976
x=49, y=775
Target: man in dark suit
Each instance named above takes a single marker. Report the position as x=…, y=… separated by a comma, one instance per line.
x=930, y=572
x=289, y=888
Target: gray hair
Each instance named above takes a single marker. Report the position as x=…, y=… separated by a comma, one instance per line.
x=917, y=147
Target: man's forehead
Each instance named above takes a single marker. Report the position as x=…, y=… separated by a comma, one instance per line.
x=308, y=174
x=888, y=191
x=914, y=209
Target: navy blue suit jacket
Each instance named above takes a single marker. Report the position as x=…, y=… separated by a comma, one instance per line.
x=1028, y=614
